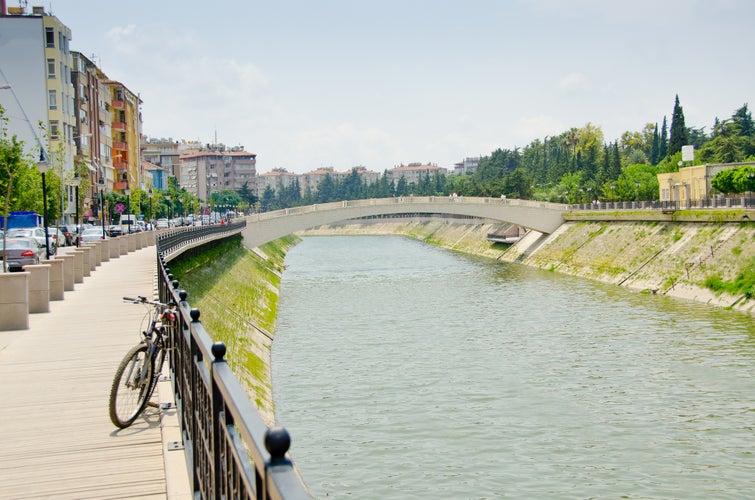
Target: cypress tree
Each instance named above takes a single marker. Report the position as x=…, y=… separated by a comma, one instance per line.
x=656, y=147
x=679, y=133
x=663, y=146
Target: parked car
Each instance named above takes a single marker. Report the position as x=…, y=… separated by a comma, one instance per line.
x=71, y=234
x=92, y=234
x=60, y=238
x=115, y=230
x=36, y=233
x=162, y=224
x=21, y=252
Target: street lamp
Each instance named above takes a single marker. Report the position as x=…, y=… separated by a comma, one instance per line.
x=42, y=166
x=127, y=192
x=75, y=182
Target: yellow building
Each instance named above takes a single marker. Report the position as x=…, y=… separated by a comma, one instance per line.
x=126, y=127
x=691, y=185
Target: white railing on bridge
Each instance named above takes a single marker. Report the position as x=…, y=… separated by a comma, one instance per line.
x=405, y=200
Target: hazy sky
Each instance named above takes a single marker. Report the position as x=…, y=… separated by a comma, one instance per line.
x=305, y=84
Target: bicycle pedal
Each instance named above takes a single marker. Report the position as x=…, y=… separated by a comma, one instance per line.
x=152, y=405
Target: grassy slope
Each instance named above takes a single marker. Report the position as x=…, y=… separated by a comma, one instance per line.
x=236, y=291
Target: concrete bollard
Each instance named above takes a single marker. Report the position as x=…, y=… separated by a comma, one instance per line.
x=92, y=256
x=131, y=242
x=96, y=247
x=105, y=250
x=124, y=244
x=115, y=248
x=69, y=271
x=57, y=287
x=85, y=267
x=138, y=241
x=78, y=266
x=14, y=301
x=39, y=288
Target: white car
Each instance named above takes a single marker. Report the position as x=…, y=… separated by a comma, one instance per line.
x=93, y=234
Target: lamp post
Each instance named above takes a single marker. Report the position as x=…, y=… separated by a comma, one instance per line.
x=75, y=182
x=42, y=166
x=149, y=218
x=170, y=215
x=127, y=192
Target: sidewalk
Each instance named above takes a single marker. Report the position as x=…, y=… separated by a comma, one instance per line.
x=57, y=439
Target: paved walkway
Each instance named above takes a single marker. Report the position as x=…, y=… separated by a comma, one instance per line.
x=56, y=439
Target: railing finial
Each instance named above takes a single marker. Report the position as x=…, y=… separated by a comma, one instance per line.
x=277, y=443
x=218, y=348
x=194, y=313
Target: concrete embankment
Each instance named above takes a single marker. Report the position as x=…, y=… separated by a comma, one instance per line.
x=678, y=259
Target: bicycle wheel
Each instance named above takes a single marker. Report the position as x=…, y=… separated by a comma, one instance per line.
x=131, y=387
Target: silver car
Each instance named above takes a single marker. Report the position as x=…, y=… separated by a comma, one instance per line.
x=21, y=252
x=36, y=233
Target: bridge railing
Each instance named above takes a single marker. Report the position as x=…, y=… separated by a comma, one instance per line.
x=739, y=202
x=402, y=200
x=230, y=451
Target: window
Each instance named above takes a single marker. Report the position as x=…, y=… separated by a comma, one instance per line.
x=50, y=37
x=52, y=99
x=51, y=68
x=54, y=130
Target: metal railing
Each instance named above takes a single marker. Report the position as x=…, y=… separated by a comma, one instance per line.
x=230, y=451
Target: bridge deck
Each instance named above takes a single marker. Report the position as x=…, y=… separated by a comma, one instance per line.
x=57, y=439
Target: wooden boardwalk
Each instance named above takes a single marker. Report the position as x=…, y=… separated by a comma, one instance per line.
x=56, y=439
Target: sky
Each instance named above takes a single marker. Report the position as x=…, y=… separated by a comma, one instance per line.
x=340, y=83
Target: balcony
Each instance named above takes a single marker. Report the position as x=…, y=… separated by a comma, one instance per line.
x=121, y=146
x=120, y=165
x=118, y=104
x=120, y=186
x=118, y=125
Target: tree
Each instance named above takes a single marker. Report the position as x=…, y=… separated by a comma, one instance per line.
x=663, y=144
x=518, y=184
x=656, y=147
x=246, y=194
x=679, y=133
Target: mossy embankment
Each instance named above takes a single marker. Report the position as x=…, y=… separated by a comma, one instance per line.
x=236, y=292
x=708, y=262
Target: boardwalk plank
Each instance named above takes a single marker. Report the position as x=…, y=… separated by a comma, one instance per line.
x=55, y=377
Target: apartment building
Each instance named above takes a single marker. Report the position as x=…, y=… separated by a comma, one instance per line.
x=164, y=153
x=467, y=166
x=414, y=172
x=36, y=88
x=126, y=128
x=206, y=171
x=277, y=180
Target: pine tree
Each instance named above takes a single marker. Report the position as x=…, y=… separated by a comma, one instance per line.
x=679, y=133
x=663, y=146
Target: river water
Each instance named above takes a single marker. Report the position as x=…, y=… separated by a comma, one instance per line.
x=403, y=370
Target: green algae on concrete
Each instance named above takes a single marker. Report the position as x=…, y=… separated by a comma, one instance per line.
x=236, y=292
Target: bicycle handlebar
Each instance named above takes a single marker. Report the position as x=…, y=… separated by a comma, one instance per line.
x=143, y=300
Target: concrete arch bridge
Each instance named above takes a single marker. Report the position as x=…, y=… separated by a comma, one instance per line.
x=268, y=226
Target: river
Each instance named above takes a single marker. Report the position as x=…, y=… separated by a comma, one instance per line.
x=403, y=370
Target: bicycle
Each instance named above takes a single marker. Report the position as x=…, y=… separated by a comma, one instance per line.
x=137, y=374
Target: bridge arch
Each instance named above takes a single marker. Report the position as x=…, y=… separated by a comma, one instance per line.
x=268, y=226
